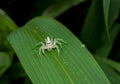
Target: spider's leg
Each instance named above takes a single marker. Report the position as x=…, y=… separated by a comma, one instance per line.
x=58, y=39
x=42, y=43
x=36, y=45
x=40, y=50
x=43, y=51
x=57, y=49
x=59, y=43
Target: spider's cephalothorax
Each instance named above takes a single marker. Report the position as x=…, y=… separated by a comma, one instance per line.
x=50, y=44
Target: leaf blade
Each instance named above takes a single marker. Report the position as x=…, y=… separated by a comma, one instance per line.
x=74, y=64
x=106, y=8
x=60, y=6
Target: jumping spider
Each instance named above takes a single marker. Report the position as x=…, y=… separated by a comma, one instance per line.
x=50, y=44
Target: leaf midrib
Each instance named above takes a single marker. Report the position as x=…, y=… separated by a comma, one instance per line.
x=65, y=71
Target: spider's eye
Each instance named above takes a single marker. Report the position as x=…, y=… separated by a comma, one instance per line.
x=48, y=43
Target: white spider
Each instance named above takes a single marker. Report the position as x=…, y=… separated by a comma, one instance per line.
x=50, y=44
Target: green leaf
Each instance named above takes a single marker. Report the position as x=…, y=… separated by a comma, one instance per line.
x=105, y=50
x=97, y=19
x=5, y=62
x=114, y=65
x=111, y=69
x=113, y=12
x=93, y=27
x=113, y=76
x=54, y=8
x=60, y=6
x=73, y=65
x=110, y=63
x=106, y=7
x=6, y=26
x=6, y=53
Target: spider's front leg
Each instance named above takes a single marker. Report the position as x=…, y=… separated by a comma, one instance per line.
x=42, y=48
x=57, y=41
x=38, y=44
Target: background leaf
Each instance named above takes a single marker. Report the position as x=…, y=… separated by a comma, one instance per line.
x=5, y=62
x=106, y=7
x=60, y=6
x=105, y=50
x=6, y=26
x=113, y=12
x=111, y=69
x=74, y=64
x=6, y=53
x=93, y=27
